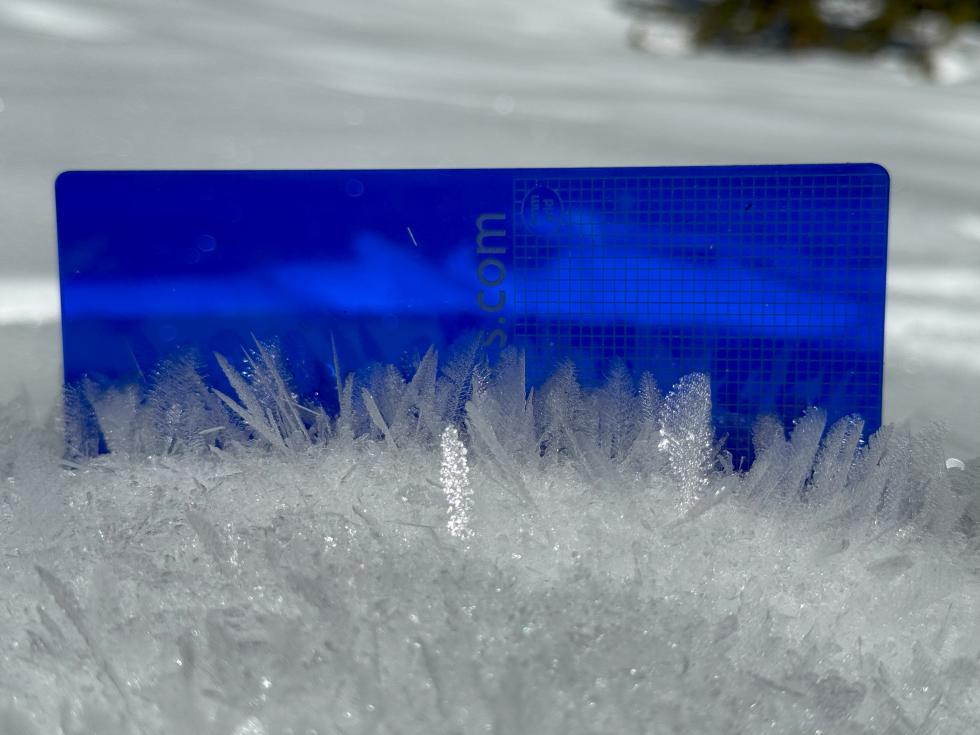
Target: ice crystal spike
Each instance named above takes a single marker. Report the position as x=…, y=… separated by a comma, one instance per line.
x=687, y=435
x=454, y=474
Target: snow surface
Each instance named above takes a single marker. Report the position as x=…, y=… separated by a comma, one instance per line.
x=455, y=553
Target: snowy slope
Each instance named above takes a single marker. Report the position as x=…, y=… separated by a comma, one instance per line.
x=328, y=84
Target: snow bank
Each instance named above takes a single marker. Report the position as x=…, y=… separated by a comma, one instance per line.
x=454, y=552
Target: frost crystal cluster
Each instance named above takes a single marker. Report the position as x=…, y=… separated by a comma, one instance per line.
x=241, y=562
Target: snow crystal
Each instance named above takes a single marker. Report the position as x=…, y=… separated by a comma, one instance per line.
x=454, y=551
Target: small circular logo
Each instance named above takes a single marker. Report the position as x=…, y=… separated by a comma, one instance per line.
x=542, y=210
x=354, y=188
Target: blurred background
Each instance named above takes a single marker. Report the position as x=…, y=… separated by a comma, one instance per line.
x=461, y=83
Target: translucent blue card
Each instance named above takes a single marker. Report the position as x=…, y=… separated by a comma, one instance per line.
x=769, y=278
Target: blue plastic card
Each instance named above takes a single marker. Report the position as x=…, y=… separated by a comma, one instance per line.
x=769, y=278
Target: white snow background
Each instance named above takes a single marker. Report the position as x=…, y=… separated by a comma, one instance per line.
x=591, y=564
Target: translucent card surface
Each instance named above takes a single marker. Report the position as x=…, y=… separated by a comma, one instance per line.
x=771, y=278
